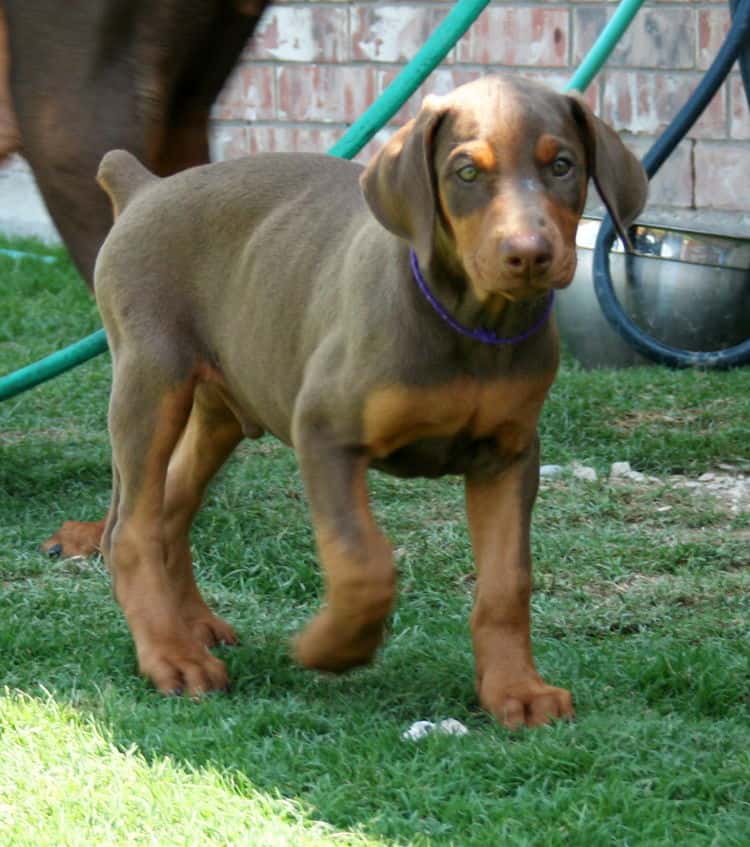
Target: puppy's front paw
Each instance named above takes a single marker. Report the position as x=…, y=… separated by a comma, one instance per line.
x=527, y=701
x=328, y=645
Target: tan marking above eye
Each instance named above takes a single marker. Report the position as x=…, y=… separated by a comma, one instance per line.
x=478, y=153
x=484, y=157
x=546, y=149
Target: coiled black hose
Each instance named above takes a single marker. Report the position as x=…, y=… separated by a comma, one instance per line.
x=744, y=56
x=736, y=46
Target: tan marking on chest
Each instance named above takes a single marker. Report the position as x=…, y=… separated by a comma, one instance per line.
x=397, y=415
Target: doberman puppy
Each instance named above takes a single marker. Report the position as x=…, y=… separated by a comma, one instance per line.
x=395, y=317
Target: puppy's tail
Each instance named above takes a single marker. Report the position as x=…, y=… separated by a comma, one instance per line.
x=122, y=176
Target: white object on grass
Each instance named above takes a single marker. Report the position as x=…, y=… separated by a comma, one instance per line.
x=419, y=729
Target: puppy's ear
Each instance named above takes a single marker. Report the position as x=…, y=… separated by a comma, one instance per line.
x=618, y=175
x=399, y=183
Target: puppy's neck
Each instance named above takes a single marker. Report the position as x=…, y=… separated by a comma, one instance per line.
x=504, y=314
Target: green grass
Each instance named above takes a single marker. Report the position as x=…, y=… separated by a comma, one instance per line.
x=644, y=614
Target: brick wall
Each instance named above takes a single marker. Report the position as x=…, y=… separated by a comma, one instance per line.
x=316, y=64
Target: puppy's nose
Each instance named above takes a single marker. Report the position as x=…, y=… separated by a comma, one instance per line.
x=526, y=253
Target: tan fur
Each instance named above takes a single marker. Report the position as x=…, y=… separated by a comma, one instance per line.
x=396, y=415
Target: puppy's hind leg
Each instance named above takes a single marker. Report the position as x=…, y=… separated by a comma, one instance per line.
x=148, y=413
x=212, y=432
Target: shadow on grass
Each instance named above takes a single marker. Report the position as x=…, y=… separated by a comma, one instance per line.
x=333, y=743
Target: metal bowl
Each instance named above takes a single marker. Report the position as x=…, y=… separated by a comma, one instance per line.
x=687, y=289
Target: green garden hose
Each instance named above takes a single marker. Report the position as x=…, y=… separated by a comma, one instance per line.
x=604, y=45
x=437, y=46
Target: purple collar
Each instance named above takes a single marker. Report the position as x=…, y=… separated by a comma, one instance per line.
x=483, y=335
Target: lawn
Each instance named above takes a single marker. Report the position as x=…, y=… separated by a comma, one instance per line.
x=641, y=607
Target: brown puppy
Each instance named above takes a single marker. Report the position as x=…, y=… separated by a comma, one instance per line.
x=269, y=295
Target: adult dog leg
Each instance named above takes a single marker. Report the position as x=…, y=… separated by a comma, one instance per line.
x=10, y=136
x=499, y=512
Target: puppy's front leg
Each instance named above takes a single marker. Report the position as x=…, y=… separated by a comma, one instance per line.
x=499, y=513
x=356, y=557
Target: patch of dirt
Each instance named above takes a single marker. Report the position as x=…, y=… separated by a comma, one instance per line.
x=732, y=492
x=631, y=421
x=654, y=419
x=687, y=535
x=728, y=486
x=13, y=436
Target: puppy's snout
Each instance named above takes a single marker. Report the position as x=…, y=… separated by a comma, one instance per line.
x=526, y=253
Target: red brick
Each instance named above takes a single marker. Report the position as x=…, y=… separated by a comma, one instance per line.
x=656, y=38
x=248, y=95
x=667, y=3
x=739, y=115
x=392, y=33
x=373, y=145
x=302, y=34
x=293, y=139
x=721, y=176
x=325, y=93
x=231, y=142
x=673, y=184
x=559, y=79
x=713, y=25
x=228, y=142
x=517, y=35
x=443, y=80
x=645, y=102
x=440, y=81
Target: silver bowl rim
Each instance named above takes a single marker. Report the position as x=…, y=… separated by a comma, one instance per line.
x=588, y=229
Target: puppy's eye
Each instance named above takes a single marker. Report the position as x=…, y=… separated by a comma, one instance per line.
x=468, y=173
x=561, y=166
